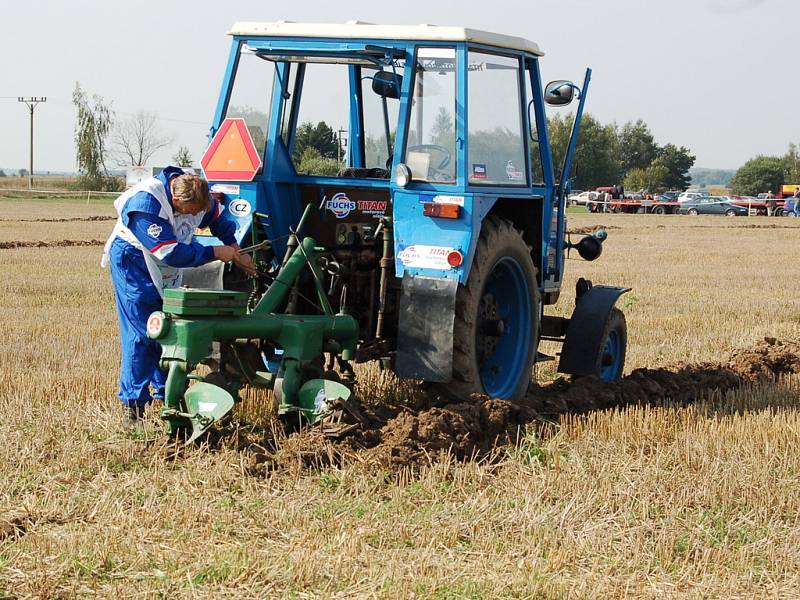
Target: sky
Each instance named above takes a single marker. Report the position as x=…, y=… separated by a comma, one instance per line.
x=717, y=76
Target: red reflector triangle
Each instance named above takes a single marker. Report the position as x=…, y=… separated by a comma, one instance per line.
x=232, y=155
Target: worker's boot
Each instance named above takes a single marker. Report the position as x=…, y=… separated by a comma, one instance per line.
x=132, y=417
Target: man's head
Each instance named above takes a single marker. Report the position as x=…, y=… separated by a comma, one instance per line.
x=189, y=194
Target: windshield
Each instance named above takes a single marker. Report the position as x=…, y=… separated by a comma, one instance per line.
x=339, y=111
x=251, y=96
x=430, y=151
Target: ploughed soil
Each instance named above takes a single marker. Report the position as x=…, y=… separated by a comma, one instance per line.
x=58, y=244
x=396, y=437
x=591, y=229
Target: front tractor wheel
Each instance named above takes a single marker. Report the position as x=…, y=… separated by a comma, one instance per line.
x=497, y=317
x=611, y=358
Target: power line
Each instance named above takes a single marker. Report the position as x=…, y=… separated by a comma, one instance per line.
x=155, y=115
x=128, y=113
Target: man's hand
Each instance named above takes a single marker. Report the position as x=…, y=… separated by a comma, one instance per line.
x=231, y=254
x=245, y=263
x=226, y=253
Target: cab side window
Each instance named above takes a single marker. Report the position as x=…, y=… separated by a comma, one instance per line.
x=496, y=147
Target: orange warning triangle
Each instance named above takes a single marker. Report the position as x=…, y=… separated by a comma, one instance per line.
x=232, y=155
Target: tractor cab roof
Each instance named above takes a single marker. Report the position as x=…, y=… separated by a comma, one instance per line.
x=371, y=31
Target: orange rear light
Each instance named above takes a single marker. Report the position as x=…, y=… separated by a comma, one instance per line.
x=445, y=211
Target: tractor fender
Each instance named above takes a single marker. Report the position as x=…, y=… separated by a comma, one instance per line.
x=425, y=330
x=586, y=328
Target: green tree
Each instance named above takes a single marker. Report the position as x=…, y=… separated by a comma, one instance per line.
x=320, y=136
x=792, y=159
x=375, y=150
x=676, y=162
x=183, y=157
x=312, y=163
x=650, y=179
x=23, y=173
x=595, y=162
x=443, y=130
x=93, y=125
x=2, y=173
x=759, y=174
x=635, y=145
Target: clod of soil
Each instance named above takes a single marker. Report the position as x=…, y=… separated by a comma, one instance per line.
x=592, y=229
x=14, y=525
x=399, y=437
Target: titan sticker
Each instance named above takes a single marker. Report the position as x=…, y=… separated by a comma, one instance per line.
x=341, y=206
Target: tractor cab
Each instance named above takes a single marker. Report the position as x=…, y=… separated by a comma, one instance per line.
x=362, y=119
x=414, y=164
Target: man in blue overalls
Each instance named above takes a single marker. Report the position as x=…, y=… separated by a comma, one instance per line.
x=150, y=245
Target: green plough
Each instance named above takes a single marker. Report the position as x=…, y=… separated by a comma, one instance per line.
x=195, y=321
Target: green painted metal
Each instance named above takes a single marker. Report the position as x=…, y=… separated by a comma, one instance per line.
x=317, y=398
x=192, y=302
x=194, y=319
x=207, y=404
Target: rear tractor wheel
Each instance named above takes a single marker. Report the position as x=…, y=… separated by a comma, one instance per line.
x=497, y=318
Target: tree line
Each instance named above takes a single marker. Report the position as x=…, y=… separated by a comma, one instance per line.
x=767, y=173
x=608, y=154
x=103, y=139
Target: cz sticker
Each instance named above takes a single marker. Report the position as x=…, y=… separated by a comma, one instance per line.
x=239, y=208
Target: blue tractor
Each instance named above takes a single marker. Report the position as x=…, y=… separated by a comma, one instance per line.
x=417, y=161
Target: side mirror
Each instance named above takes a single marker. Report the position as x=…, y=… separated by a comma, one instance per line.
x=386, y=84
x=559, y=92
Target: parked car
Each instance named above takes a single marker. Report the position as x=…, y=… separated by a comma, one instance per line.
x=711, y=205
x=688, y=196
x=583, y=197
x=791, y=208
x=667, y=196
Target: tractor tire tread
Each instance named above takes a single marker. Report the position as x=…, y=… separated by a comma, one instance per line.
x=497, y=235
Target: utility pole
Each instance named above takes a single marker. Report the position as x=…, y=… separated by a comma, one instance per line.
x=341, y=144
x=31, y=102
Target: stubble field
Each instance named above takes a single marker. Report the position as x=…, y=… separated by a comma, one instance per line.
x=698, y=498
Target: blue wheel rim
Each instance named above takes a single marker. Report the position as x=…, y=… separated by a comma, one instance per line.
x=611, y=361
x=502, y=359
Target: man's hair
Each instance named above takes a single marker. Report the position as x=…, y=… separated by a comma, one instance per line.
x=190, y=190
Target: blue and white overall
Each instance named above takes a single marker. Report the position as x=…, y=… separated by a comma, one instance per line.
x=147, y=250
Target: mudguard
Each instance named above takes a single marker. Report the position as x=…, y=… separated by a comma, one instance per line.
x=425, y=335
x=586, y=328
